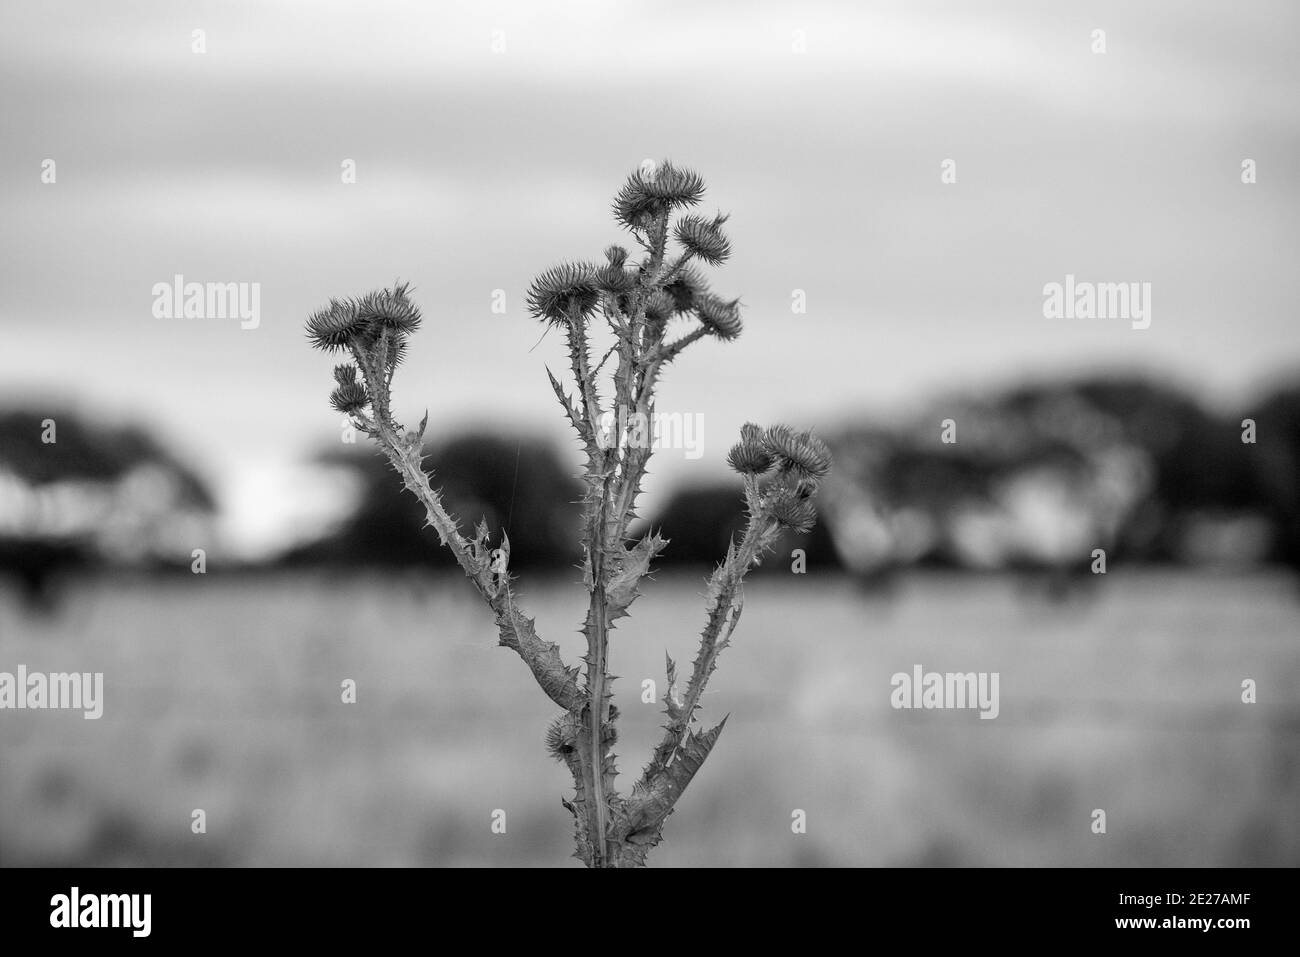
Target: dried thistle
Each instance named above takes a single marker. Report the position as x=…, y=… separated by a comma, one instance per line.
x=781, y=470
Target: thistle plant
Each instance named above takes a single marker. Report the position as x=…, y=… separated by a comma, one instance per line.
x=649, y=307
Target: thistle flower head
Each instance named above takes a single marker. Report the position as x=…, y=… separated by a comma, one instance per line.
x=350, y=397
x=679, y=186
x=390, y=309
x=749, y=454
x=646, y=196
x=347, y=322
x=704, y=238
x=564, y=292
x=659, y=307
x=345, y=374
x=721, y=317
x=561, y=737
x=793, y=511
x=799, y=451
x=615, y=255
x=686, y=288
x=614, y=278
x=336, y=326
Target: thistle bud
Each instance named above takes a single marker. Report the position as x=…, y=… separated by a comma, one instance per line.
x=678, y=186
x=801, y=451
x=659, y=307
x=563, y=293
x=722, y=318
x=562, y=737
x=349, y=398
x=793, y=512
x=336, y=326
x=390, y=309
x=749, y=456
x=704, y=239
x=686, y=288
x=646, y=196
x=614, y=279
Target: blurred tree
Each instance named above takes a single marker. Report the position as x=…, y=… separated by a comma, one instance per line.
x=76, y=493
x=1276, y=461
x=1198, y=460
x=1043, y=473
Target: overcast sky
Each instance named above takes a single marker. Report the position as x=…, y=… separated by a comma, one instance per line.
x=478, y=168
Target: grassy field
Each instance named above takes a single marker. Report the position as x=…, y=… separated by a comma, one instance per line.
x=224, y=694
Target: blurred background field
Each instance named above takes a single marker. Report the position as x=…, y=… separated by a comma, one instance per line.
x=223, y=693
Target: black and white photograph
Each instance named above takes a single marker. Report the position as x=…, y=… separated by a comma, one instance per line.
x=591, y=434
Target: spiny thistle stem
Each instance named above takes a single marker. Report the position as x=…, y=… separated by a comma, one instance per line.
x=781, y=468
x=597, y=648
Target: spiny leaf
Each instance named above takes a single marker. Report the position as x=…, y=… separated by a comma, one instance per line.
x=575, y=417
x=628, y=570
x=672, y=707
x=668, y=783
